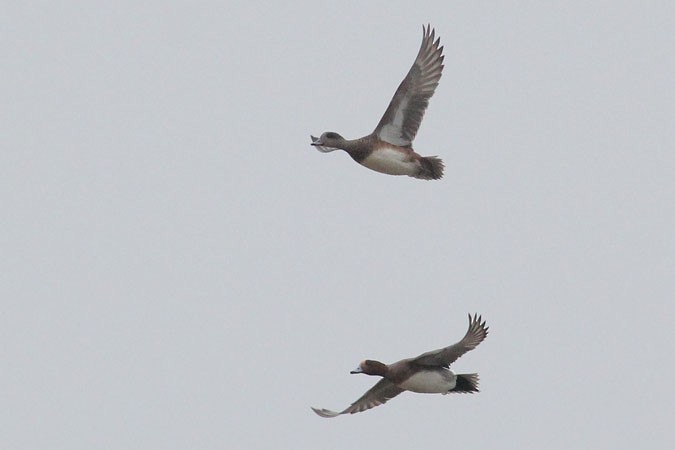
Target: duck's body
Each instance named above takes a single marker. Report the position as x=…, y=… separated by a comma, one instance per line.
x=428, y=373
x=383, y=157
x=388, y=149
x=431, y=381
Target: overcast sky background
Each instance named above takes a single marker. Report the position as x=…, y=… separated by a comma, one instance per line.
x=180, y=269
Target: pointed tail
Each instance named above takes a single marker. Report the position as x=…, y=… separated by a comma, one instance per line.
x=432, y=168
x=466, y=383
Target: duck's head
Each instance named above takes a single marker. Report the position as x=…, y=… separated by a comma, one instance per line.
x=328, y=142
x=370, y=367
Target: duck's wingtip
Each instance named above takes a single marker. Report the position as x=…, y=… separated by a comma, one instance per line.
x=327, y=413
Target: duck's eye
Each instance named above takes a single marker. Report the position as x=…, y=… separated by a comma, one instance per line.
x=331, y=135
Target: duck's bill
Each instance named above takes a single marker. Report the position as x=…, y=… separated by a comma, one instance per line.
x=316, y=143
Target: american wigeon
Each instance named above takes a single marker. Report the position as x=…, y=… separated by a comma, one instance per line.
x=388, y=149
x=428, y=373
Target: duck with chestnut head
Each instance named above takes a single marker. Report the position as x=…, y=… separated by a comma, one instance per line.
x=428, y=373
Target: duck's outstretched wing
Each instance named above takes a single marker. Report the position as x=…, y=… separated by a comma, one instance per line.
x=376, y=396
x=443, y=357
x=402, y=118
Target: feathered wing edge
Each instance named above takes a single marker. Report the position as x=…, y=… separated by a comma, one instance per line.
x=445, y=356
x=379, y=394
x=403, y=116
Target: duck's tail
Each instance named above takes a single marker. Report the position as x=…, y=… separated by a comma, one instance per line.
x=466, y=383
x=432, y=168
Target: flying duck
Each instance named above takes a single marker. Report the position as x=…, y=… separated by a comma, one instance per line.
x=388, y=149
x=428, y=373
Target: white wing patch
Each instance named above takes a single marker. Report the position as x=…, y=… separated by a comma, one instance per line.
x=393, y=131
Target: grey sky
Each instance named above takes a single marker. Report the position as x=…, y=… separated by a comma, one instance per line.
x=182, y=270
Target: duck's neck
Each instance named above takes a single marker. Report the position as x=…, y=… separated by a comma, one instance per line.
x=349, y=145
x=358, y=149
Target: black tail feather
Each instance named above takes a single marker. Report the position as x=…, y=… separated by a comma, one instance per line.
x=432, y=168
x=466, y=383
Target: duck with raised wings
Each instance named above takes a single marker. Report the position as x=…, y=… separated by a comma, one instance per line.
x=428, y=373
x=388, y=149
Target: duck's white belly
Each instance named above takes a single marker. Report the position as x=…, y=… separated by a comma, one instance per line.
x=431, y=382
x=391, y=161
